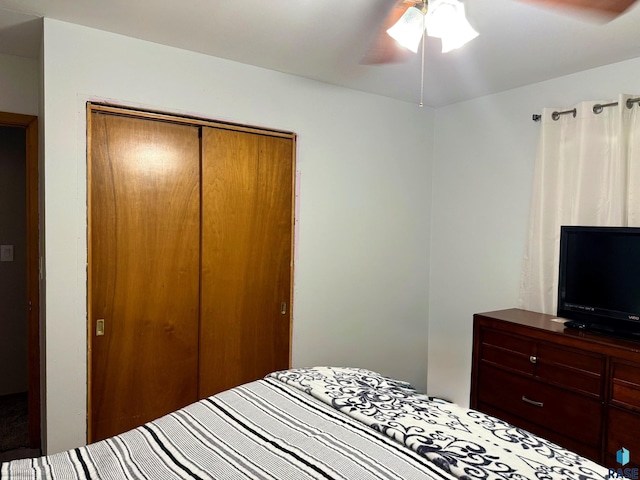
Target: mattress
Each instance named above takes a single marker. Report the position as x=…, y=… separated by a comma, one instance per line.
x=316, y=423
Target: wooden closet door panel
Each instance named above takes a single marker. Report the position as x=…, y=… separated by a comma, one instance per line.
x=247, y=182
x=143, y=270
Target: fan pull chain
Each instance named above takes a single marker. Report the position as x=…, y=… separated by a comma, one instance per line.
x=422, y=72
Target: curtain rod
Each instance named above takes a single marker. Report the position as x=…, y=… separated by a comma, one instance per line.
x=597, y=108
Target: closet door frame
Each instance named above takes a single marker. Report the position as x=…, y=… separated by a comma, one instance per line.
x=92, y=107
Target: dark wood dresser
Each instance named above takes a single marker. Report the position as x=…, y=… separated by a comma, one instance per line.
x=578, y=389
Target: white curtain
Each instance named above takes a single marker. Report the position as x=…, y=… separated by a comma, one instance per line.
x=587, y=173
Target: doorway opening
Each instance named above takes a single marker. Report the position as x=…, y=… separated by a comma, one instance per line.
x=19, y=287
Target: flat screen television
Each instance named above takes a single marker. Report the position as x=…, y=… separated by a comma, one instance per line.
x=599, y=279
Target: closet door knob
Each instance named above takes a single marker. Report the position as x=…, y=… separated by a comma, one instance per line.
x=533, y=359
x=283, y=308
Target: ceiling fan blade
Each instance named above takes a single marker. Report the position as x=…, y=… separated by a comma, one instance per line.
x=610, y=8
x=384, y=48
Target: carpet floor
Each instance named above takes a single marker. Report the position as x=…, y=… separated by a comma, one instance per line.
x=14, y=424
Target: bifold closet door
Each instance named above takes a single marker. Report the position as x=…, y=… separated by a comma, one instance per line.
x=144, y=270
x=245, y=326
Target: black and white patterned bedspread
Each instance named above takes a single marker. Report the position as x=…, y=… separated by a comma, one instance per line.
x=273, y=429
x=261, y=430
x=464, y=442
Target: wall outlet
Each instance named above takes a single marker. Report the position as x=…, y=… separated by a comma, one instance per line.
x=6, y=253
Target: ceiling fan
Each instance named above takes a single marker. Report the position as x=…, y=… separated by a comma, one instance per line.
x=386, y=47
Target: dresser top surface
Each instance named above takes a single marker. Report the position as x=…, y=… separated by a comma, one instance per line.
x=555, y=325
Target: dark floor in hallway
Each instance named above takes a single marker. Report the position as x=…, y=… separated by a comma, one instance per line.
x=14, y=427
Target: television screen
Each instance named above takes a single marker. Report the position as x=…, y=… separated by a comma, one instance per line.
x=599, y=277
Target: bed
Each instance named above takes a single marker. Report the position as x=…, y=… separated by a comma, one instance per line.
x=317, y=423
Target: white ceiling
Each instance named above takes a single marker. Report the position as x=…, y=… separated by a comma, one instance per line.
x=326, y=40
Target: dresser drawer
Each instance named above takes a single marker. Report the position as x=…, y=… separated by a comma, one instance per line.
x=569, y=368
x=623, y=428
x=508, y=351
x=567, y=413
x=625, y=385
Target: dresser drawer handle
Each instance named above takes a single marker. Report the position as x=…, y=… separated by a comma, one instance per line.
x=533, y=359
x=532, y=402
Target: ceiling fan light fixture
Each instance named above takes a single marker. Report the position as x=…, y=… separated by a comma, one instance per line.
x=440, y=16
x=453, y=42
x=408, y=30
x=447, y=20
x=459, y=35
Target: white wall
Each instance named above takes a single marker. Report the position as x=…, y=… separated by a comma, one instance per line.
x=484, y=158
x=19, y=85
x=361, y=275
